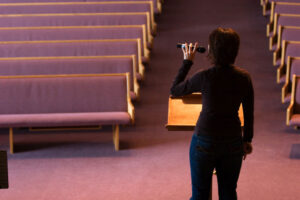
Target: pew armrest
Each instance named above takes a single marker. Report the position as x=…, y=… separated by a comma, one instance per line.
x=276, y=56
x=284, y=91
x=289, y=113
x=280, y=72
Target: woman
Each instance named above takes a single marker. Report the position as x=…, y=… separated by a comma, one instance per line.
x=218, y=142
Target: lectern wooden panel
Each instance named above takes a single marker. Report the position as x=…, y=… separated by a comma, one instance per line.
x=184, y=112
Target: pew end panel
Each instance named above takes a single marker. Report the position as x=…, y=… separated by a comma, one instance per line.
x=130, y=107
x=281, y=68
x=286, y=87
x=278, y=54
x=290, y=109
x=279, y=38
x=289, y=113
x=271, y=26
x=280, y=73
x=272, y=41
x=265, y=8
x=274, y=26
x=275, y=39
x=272, y=11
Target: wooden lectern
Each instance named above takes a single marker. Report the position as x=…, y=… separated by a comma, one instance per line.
x=184, y=112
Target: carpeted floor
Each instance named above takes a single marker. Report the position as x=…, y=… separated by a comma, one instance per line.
x=153, y=163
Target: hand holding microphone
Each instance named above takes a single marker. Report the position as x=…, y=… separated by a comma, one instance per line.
x=199, y=48
x=189, y=51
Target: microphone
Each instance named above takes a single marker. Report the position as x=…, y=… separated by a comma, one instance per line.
x=199, y=49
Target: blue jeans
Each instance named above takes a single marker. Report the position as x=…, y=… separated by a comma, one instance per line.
x=224, y=155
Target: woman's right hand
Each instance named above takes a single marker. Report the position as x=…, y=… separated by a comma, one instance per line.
x=189, y=51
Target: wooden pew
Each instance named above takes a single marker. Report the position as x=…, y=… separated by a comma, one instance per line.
x=80, y=7
x=287, y=21
x=267, y=5
x=73, y=65
x=56, y=48
x=284, y=33
x=78, y=19
x=78, y=33
x=157, y=4
x=57, y=100
x=283, y=20
x=293, y=111
x=292, y=68
x=289, y=48
x=283, y=8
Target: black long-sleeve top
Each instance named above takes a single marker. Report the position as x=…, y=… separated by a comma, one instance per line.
x=223, y=89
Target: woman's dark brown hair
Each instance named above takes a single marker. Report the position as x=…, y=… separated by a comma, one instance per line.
x=223, y=46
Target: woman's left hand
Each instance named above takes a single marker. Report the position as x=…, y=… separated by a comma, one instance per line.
x=189, y=51
x=248, y=148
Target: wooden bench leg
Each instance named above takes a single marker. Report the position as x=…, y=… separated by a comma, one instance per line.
x=11, y=140
x=116, y=136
